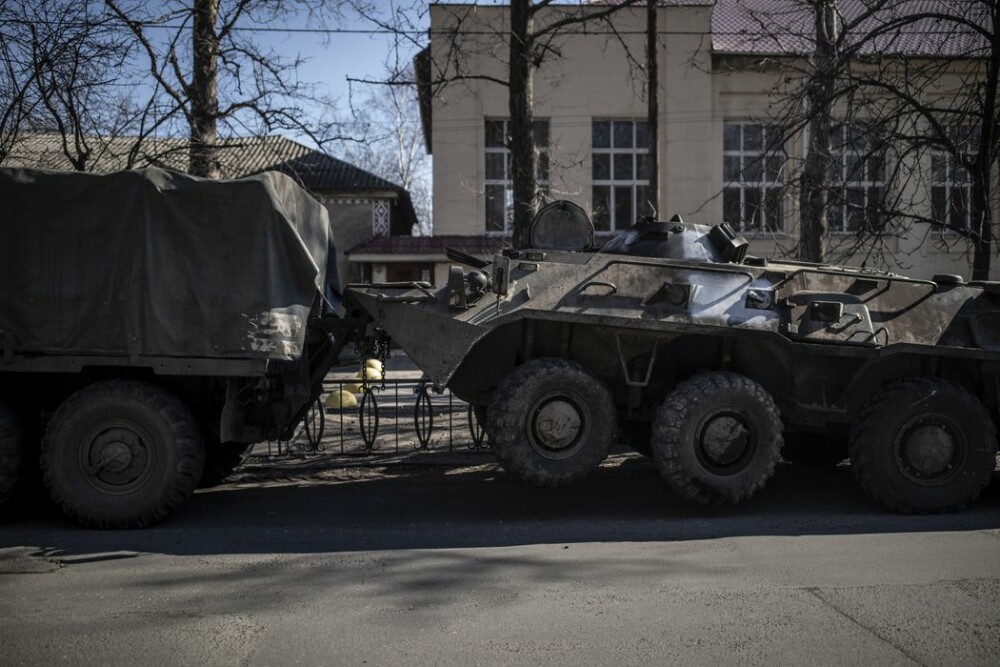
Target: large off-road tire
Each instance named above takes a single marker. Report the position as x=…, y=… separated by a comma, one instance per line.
x=11, y=451
x=551, y=422
x=923, y=445
x=817, y=450
x=122, y=454
x=221, y=459
x=717, y=438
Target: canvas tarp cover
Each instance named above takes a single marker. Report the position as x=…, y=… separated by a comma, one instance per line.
x=152, y=262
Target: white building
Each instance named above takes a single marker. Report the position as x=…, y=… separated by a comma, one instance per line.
x=716, y=120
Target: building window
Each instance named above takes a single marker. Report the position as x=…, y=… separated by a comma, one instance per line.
x=951, y=183
x=858, y=171
x=753, y=161
x=499, y=188
x=620, y=173
x=380, y=217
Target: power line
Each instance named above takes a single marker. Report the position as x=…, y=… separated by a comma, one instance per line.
x=352, y=31
x=446, y=32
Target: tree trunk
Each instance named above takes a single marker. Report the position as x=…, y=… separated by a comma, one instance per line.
x=652, y=112
x=814, y=195
x=982, y=225
x=204, y=91
x=982, y=174
x=522, y=142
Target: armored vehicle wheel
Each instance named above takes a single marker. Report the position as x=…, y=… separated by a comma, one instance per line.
x=717, y=438
x=924, y=445
x=11, y=451
x=817, y=450
x=551, y=422
x=221, y=459
x=122, y=454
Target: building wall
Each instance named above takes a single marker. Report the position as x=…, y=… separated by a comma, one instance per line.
x=380, y=266
x=351, y=221
x=742, y=94
x=593, y=79
x=562, y=95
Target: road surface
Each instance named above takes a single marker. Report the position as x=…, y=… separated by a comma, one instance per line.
x=462, y=565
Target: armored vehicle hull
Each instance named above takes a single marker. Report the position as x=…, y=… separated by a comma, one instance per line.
x=711, y=362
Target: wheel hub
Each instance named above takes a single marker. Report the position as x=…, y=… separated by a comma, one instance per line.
x=928, y=450
x=117, y=458
x=724, y=439
x=557, y=424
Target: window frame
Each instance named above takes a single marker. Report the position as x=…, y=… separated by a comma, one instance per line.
x=847, y=181
x=542, y=155
x=762, y=185
x=950, y=184
x=613, y=184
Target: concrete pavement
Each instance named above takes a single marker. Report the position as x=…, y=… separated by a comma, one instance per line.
x=462, y=565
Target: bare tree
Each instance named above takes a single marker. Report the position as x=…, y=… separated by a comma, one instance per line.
x=214, y=74
x=61, y=73
x=943, y=111
x=98, y=70
x=529, y=46
x=820, y=96
x=16, y=79
x=387, y=141
x=531, y=35
x=915, y=84
x=653, y=105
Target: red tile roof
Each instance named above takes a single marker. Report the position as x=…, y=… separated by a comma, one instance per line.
x=485, y=245
x=238, y=157
x=781, y=27
x=314, y=170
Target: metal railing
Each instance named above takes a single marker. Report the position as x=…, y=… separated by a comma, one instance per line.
x=391, y=416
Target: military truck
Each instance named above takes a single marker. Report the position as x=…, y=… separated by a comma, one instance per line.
x=707, y=358
x=152, y=326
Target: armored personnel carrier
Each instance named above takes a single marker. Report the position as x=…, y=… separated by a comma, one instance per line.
x=708, y=359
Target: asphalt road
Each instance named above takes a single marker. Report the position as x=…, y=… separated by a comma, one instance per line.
x=461, y=566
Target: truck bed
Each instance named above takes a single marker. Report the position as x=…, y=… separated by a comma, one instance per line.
x=156, y=265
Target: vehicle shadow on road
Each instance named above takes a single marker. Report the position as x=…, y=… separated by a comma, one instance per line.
x=423, y=507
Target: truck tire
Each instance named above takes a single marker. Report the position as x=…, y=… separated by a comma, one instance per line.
x=221, y=459
x=11, y=451
x=122, y=454
x=923, y=445
x=717, y=438
x=551, y=422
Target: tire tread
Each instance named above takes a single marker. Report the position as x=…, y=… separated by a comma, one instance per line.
x=507, y=409
x=190, y=450
x=668, y=427
x=863, y=442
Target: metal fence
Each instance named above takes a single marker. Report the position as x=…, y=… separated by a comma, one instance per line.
x=391, y=416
